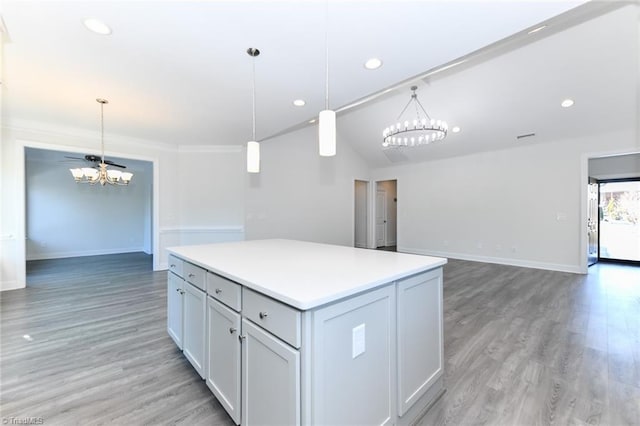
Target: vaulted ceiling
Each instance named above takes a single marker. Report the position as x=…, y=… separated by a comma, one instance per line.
x=177, y=72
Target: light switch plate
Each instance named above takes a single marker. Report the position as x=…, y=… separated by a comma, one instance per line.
x=357, y=340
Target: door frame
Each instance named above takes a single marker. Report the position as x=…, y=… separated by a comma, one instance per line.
x=594, y=181
x=583, y=239
x=394, y=200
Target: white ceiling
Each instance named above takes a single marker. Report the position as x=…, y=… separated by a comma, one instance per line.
x=177, y=72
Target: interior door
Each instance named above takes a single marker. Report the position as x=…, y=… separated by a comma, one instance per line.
x=593, y=221
x=381, y=218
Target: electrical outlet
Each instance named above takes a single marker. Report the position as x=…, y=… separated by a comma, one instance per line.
x=514, y=249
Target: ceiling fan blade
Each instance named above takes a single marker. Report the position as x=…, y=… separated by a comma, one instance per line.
x=73, y=158
x=111, y=163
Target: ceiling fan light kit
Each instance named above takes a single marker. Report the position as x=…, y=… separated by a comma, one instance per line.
x=102, y=174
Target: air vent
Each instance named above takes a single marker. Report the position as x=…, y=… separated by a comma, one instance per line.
x=527, y=135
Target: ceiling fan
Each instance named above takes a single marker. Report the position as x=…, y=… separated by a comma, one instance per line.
x=96, y=159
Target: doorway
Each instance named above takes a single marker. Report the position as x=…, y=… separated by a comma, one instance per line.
x=68, y=224
x=386, y=213
x=619, y=220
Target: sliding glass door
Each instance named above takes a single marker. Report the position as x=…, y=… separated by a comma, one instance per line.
x=619, y=229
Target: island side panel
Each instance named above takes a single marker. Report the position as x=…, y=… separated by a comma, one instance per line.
x=420, y=336
x=354, y=360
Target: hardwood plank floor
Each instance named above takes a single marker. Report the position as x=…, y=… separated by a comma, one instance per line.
x=86, y=343
x=532, y=347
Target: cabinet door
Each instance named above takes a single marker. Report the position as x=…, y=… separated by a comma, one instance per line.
x=195, y=317
x=270, y=379
x=420, y=357
x=174, y=307
x=223, y=356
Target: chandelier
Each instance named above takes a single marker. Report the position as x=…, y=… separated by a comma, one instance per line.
x=414, y=131
x=101, y=175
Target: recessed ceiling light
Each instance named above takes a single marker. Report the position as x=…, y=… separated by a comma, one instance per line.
x=97, y=26
x=299, y=102
x=567, y=103
x=455, y=129
x=373, y=64
x=535, y=30
x=313, y=120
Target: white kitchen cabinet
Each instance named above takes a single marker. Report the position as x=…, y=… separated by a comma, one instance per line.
x=285, y=346
x=420, y=334
x=195, y=318
x=270, y=379
x=175, y=290
x=223, y=359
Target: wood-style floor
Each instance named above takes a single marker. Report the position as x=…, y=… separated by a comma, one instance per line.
x=86, y=343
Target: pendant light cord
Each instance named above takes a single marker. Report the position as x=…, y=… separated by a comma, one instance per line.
x=102, y=129
x=253, y=96
x=326, y=44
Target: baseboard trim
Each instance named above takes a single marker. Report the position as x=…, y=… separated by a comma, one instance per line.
x=65, y=254
x=10, y=285
x=575, y=269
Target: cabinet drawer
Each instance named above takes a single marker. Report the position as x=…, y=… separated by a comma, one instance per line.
x=175, y=265
x=224, y=290
x=276, y=317
x=195, y=275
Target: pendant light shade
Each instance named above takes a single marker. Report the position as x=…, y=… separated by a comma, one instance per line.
x=253, y=157
x=327, y=133
x=253, y=147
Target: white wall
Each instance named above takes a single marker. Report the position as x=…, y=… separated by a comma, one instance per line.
x=299, y=194
x=209, y=203
x=520, y=206
x=66, y=219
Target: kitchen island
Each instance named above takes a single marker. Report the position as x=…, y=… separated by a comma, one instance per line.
x=292, y=332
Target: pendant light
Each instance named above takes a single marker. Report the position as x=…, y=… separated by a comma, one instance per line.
x=253, y=147
x=327, y=117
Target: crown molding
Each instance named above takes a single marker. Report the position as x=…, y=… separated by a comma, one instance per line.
x=49, y=129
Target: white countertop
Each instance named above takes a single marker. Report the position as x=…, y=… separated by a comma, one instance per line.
x=303, y=274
